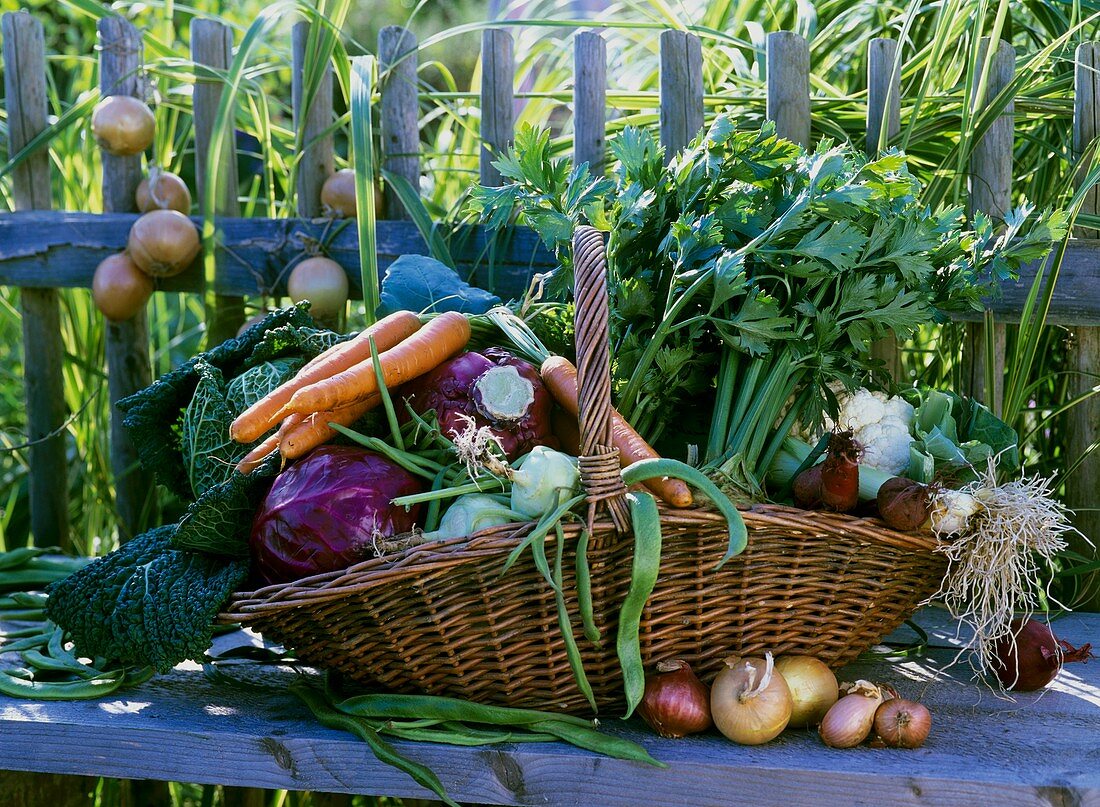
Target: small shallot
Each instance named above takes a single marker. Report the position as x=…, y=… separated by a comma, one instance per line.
x=676, y=703
x=849, y=721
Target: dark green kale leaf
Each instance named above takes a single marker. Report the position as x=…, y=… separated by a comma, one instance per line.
x=146, y=603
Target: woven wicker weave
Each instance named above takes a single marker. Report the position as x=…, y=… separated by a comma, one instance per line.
x=441, y=618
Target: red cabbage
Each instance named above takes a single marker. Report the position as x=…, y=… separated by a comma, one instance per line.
x=323, y=513
x=494, y=388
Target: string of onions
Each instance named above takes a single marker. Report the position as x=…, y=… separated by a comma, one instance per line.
x=993, y=562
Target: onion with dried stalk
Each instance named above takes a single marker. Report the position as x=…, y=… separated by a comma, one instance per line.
x=993, y=560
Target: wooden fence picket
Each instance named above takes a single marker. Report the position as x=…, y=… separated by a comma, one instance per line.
x=313, y=125
x=884, y=110
x=399, y=112
x=212, y=46
x=128, y=365
x=43, y=351
x=788, y=80
x=1083, y=486
x=681, y=112
x=989, y=189
x=498, y=71
x=589, y=100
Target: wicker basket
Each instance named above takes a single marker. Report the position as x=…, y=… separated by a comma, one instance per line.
x=441, y=618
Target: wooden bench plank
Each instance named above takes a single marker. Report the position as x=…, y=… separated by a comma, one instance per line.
x=982, y=749
x=62, y=249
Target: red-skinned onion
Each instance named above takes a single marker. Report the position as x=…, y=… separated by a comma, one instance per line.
x=902, y=724
x=676, y=703
x=1030, y=658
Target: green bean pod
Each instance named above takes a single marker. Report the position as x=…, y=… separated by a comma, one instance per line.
x=83, y=689
x=584, y=589
x=572, y=652
x=649, y=469
x=593, y=740
x=646, y=519
x=379, y=705
x=383, y=751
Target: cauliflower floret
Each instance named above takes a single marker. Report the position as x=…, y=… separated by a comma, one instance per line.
x=861, y=410
x=885, y=446
x=899, y=409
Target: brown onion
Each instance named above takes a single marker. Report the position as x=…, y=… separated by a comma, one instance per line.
x=123, y=125
x=338, y=194
x=813, y=688
x=120, y=290
x=849, y=721
x=904, y=504
x=163, y=243
x=749, y=702
x=323, y=282
x=163, y=190
x=902, y=724
x=676, y=703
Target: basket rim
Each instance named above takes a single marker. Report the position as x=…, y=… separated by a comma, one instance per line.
x=493, y=540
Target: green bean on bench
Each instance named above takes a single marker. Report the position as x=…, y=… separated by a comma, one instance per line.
x=643, y=577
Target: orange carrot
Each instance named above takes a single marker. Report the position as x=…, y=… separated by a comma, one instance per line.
x=422, y=352
x=300, y=434
x=266, y=412
x=250, y=461
x=560, y=377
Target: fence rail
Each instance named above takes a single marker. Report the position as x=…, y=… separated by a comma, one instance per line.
x=41, y=251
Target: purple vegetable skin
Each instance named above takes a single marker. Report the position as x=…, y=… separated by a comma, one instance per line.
x=494, y=388
x=322, y=513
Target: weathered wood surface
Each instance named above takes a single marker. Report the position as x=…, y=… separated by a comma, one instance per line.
x=989, y=190
x=1083, y=354
x=43, y=350
x=212, y=46
x=312, y=121
x=1038, y=750
x=498, y=74
x=681, y=112
x=400, y=111
x=589, y=100
x=127, y=343
x=61, y=250
x=884, y=119
x=788, y=86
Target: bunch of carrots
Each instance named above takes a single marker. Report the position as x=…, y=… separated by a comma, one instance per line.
x=341, y=385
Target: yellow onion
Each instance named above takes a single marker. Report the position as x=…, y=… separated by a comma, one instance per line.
x=813, y=688
x=163, y=190
x=163, y=243
x=749, y=702
x=849, y=721
x=338, y=194
x=120, y=290
x=902, y=724
x=123, y=125
x=323, y=282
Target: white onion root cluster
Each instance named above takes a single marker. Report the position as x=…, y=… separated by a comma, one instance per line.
x=993, y=564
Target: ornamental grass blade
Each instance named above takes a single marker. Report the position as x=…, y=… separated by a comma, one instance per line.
x=363, y=70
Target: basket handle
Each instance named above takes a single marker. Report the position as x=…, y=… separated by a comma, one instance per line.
x=599, y=459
